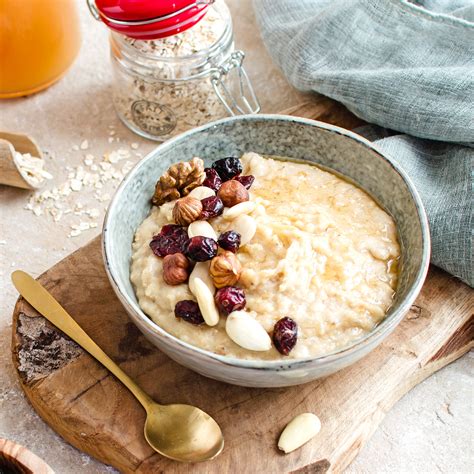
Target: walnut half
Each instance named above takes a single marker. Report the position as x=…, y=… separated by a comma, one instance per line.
x=179, y=181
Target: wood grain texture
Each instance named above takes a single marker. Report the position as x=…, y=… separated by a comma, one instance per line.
x=16, y=459
x=94, y=412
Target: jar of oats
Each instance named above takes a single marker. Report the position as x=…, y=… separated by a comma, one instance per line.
x=165, y=86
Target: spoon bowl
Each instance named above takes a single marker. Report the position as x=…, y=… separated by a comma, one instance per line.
x=183, y=432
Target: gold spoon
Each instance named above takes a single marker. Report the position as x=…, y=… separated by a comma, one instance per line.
x=180, y=432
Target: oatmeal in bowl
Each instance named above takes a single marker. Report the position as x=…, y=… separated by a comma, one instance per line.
x=264, y=271
x=264, y=259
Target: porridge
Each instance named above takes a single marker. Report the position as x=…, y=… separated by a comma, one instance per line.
x=262, y=258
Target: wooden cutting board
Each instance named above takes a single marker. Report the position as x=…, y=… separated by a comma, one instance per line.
x=90, y=409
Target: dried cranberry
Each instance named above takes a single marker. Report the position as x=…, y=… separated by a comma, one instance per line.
x=247, y=181
x=200, y=248
x=229, y=240
x=230, y=298
x=189, y=311
x=285, y=335
x=211, y=207
x=170, y=240
x=228, y=167
x=213, y=180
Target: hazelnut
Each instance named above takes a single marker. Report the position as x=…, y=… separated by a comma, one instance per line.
x=225, y=269
x=187, y=210
x=232, y=192
x=175, y=269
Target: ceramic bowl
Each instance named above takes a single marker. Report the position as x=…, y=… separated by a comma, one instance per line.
x=315, y=142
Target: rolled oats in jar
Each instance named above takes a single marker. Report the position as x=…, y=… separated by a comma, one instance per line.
x=165, y=86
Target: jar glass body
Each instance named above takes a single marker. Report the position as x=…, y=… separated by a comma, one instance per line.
x=39, y=40
x=159, y=97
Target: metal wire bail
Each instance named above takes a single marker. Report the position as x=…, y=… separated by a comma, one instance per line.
x=246, y=102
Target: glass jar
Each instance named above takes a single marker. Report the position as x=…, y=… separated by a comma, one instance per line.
x=39, y=40
x=164, y=87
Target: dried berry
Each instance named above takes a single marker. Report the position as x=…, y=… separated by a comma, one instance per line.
x=285, y=335
x=170, y=240
x=213, y=180
x=230, y=298
x=189, y=311
x=229, y=240
x=200, y=248
x=246, y=181
x=211, y=207
x=228, y=167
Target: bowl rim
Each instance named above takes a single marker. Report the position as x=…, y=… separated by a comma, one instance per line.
x=382, y=329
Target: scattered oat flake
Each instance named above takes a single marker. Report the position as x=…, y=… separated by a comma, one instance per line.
x=75, y=147
x=84, y=145
x=76, y=185
x=134, y=146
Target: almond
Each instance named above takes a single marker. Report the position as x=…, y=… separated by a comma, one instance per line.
x=202, y=192
x=246, y=226
x=247, y=332
x=205, y=299
x=299, y=431
x=245, y=207
x=201, y=228
x=201, y=271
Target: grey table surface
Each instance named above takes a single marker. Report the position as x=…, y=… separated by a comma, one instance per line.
x=429, y=430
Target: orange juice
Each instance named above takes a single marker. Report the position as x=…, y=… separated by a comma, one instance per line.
x=39, y=40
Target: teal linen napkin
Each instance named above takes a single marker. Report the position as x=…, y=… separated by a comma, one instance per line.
x=406, y=66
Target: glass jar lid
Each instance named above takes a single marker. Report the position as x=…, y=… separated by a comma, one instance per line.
x=149, y=19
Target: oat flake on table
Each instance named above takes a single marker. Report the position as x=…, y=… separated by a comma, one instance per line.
x=100, y=175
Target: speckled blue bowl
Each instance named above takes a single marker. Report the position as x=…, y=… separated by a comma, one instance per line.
x=333, y=147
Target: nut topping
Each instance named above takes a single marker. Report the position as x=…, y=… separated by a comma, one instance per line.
x=247, y=332
x=187, y=210
x=246, y=226
x=232, y=192
x=299, y=431
x=201, y=271
x=206, y=302
x=202, y=192
x=175, y=269
x=225, y=269
x=178, y=181
x=202, y=228
x=233, y=212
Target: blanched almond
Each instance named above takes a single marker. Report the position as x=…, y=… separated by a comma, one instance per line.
x=235, y=211
x=299, y=431
x=247, y=332
x=201, y=228
x=202, y=192
x=205, y=299
x=246, y=226
x=201, y=271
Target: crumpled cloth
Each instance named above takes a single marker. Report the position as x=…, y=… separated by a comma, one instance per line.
x=406, y=66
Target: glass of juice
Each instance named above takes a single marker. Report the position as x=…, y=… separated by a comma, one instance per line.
x=39, y=40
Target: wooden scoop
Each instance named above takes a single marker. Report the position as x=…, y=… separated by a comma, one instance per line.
x=10, y=172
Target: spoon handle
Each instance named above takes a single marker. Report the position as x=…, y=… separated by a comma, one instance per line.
x=46, y=304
